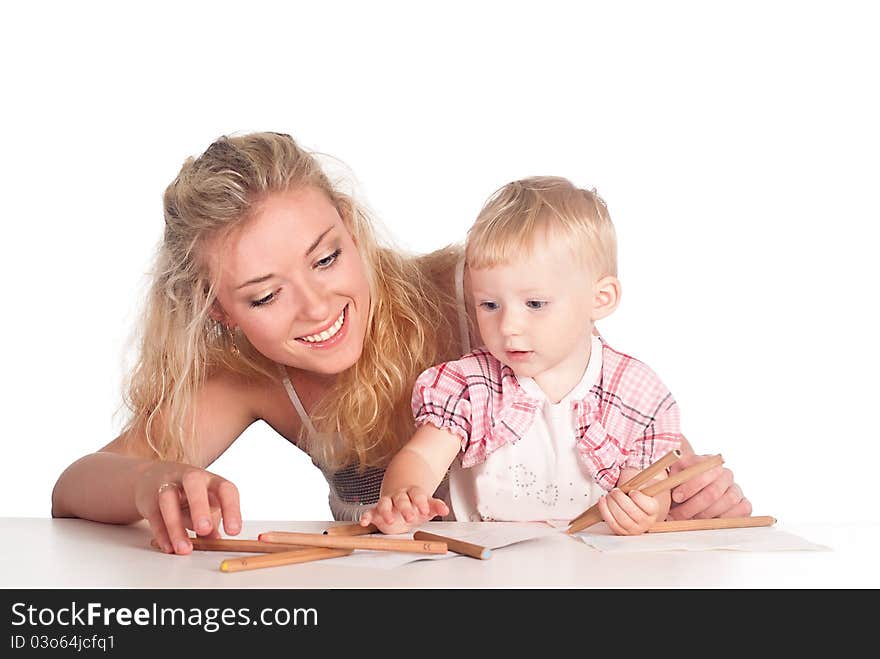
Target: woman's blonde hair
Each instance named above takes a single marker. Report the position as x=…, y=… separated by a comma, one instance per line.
x=409, y=326
x=517, y=212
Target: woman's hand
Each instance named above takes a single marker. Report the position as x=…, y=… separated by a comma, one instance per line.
x=174, y=497
x=710, y=494
x=630, y=513
x=403, y=510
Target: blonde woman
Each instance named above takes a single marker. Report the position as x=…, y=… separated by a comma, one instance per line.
x=272, y=299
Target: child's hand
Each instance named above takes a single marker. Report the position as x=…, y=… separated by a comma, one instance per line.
x=403, y=510
x=628, y=514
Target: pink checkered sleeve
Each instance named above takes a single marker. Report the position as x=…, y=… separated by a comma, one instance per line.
x=630, y=420
x=645, y=415
x=441, y=397
x=478, y=399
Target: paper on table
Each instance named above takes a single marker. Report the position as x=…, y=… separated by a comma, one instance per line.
x=488, y=534
x=762, y=538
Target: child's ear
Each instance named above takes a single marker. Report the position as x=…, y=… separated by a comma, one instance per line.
x=606, y=297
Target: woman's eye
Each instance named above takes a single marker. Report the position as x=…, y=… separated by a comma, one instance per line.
x=536, y=304
x=328, y=260
x=263, y=301
x=489, y=306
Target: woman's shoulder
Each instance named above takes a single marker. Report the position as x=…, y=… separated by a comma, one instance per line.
x=259, y=397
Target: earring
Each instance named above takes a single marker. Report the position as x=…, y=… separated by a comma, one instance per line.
x=232, y=347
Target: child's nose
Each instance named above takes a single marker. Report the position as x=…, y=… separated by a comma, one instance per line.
x=510, y=323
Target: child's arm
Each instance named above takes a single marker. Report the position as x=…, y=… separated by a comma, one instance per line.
x=634, y=513
x=413, y=475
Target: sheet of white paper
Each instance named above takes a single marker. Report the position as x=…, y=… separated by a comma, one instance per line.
x=492, y=535
x=762, y=538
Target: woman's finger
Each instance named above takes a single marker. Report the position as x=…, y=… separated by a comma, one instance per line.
x=160, y=534
x=702, y=499
x=730, y=499
x=169, y=505
x=230, y=504
x=691, y=487
x=196, y=492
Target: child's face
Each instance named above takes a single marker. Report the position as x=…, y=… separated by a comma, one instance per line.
x=535, y=313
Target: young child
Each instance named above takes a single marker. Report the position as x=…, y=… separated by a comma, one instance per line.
x=545, y=419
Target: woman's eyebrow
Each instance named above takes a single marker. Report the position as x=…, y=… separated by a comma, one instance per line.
x=255, y=280
x=317, y=242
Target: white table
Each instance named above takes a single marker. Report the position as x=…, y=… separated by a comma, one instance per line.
x=70, y=553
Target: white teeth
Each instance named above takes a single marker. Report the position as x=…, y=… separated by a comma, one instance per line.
x=327, y=333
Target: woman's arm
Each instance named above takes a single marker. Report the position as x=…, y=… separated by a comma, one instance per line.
x=121, y=483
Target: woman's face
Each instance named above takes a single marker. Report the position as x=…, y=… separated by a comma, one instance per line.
x=292, y=279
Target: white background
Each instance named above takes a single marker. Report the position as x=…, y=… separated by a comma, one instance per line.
x=736, y=145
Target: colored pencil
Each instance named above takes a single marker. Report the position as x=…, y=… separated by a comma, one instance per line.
x=710, y=524
x=281, y=558
x=592, y=515
x=458, y=546
x=354, y=542
x=235, y=544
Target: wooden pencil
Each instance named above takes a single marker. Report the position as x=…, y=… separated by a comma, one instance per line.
x=710, y=524
x=235, y=544
x=354, y=542
x=458, y=546
x=289, y=557
x=684, y=475
x=592, y=515
x=351, y=529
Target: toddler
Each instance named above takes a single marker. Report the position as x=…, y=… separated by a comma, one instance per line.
x=546, y=418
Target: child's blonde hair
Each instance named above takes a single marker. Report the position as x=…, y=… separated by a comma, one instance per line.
x=516, y=213
x=408, y=330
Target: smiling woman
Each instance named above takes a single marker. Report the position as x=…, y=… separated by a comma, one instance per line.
x=272, y=299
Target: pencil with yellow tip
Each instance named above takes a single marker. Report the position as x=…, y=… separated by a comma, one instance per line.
x=304, y=555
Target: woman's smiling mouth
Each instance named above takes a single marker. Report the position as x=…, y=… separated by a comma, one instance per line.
x=328, y=336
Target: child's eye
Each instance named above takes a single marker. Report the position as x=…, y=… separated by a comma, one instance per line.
x=489, y=306
x=536, y=304
x=263, y=301
x=328, y=260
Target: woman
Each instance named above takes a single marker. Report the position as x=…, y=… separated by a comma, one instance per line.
x=273, y=300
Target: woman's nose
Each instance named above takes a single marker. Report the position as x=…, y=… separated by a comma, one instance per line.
x=313, y=303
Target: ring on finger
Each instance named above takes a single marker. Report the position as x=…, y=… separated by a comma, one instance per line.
x=165, y=486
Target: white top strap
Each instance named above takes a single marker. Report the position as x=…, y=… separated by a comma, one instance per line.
x=297, y=404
